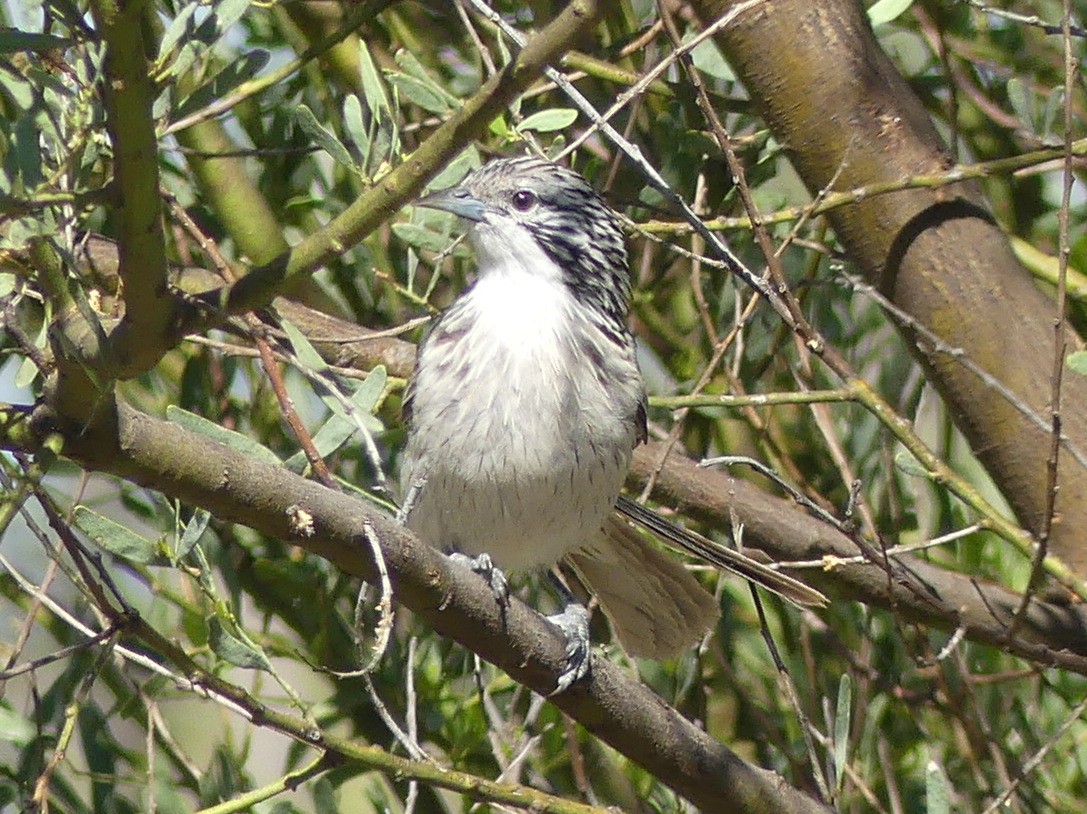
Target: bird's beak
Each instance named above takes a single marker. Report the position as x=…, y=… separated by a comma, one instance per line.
x=457, y=200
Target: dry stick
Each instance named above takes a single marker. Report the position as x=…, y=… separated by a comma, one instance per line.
x=804, y=331
x=267, y=359
x=836, y=199
x=1060, y=342
x=8, y=510
x=320, y=469
x=784, y=679
x=40, y=796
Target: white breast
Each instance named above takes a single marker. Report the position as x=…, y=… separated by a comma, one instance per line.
x=522, y=441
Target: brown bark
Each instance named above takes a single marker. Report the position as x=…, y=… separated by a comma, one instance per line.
x=849, y=119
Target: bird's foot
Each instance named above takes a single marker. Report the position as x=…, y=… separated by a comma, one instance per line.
x=574, y=624
x=485, y=567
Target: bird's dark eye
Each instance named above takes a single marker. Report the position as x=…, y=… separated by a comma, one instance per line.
x=524, y=200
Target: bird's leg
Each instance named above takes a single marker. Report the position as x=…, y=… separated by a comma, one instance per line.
x=485, y=567
x=482, y=564
x=573, y=621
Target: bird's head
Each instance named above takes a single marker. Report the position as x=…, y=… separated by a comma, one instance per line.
x=518, y=208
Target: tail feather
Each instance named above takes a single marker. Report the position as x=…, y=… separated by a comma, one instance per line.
x=657, y=608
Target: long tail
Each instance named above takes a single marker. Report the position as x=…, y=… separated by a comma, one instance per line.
x=697, y=546
x=656, y=607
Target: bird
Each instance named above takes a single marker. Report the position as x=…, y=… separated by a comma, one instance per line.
x=524, y=409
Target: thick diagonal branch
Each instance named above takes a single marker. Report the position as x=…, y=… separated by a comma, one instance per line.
x=612, y=705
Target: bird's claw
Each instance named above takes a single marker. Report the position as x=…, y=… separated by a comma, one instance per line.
x=574, y=624
x=485, y=567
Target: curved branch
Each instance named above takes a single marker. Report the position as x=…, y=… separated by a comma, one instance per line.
x=1051, y=634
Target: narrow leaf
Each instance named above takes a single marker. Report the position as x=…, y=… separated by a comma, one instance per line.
x=194, y=529
x=905, y=462
x=12, y=40
x=419, y=237
x=547, y=121
x=1021, y=98
x=216, y=24
x=356, y=129
x=180, y=26
x=842, y=714
x=235, y=440
x=373, y=89
x=232, y=649
x=322, y=137
x=1077, y=362
x=884, y=11
x=307, y=355
x=419, y=92
x=15, y=729
x=119, y=540
x=937, y=793
x=234, y=74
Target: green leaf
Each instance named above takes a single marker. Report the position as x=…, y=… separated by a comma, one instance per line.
x=905, y=462
x=308, y=357
x=14, y=728
x=547, y=121
x=424, y=94
x=1077, y=362
x=324, y=795
x=235, y=440
x=1021, y=98
x=7, y=283
x=707, y=57
x=373, y=90
x=194, y=529
x=454, y=172
x=181, y=26
x=937, y=793
x=226, y=13
x=382, y=129
x=28, y=151
x=232, y=649
x=366, y=396
x=842, y=714
x=340, y=426
x=119, y=540
x=411, y=66
x=322, y=137
x=419, y=237
x=356, y=129
x=1053, y=105
x=884, y=11
x=12, y=40
x=234, y=74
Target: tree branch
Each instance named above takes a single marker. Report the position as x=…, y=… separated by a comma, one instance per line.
x=143, y=334
x=1051, y=633
x=612, y=705
x=936, y=253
